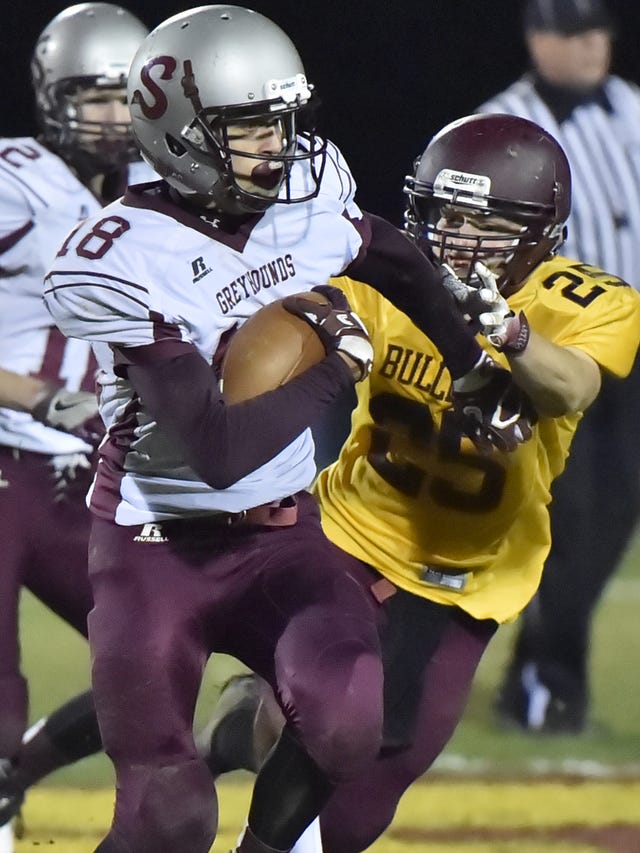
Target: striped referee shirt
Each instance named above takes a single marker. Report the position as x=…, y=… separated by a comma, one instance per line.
x=602, y=141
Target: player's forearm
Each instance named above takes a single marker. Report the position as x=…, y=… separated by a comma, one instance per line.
x=559, y=380
x=21, y=393
x=223, y=443
x=397, y=269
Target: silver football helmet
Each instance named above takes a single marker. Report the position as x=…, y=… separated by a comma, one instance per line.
x=86, y=46
x=204, y=70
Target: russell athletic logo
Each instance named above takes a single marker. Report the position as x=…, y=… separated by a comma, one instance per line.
x=199, y=269
x=151, y=533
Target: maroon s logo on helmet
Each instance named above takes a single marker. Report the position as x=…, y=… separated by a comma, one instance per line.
x=159, y=107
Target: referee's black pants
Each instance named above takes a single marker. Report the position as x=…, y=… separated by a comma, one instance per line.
x=596, y=504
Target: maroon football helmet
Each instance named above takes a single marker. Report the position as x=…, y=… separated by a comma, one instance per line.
x=494, y=166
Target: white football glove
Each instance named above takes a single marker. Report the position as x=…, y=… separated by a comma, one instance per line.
x=488, y=310
x=70, y=411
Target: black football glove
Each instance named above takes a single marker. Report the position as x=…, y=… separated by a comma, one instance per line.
x=335, y=296
x=493, y=411
x=70, y=411
x=337, y=326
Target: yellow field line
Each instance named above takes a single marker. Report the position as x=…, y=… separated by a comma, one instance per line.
x=456, y=817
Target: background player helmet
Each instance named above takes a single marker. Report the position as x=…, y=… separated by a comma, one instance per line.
x=199, y=72
x=500, y=165
x=85, y=46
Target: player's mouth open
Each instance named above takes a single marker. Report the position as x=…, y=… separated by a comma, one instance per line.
x=267, y=175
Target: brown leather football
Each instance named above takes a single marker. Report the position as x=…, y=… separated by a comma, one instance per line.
x=270, y=348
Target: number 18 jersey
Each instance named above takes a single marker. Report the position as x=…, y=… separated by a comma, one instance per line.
x=410, y=495
x=152, y=268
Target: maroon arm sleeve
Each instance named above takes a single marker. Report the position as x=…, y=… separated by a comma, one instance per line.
x=223, y=443
x=397, y=269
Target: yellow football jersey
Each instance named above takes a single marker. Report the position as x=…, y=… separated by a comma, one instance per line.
x=411, y=496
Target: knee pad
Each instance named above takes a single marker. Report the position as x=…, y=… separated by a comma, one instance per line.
x=169, y=809
x=342, y=729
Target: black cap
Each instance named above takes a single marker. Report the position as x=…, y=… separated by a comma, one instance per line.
x=567, y=17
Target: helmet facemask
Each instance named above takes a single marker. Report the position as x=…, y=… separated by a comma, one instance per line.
x=211, y=139
x=92, y=146
x=510, y=239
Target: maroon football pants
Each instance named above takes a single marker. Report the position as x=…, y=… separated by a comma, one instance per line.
x=439, y=648
x=361, y=809
x=278, y=599
x=44, y=530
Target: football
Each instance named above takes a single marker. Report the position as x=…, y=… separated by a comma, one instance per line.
x=270, y=348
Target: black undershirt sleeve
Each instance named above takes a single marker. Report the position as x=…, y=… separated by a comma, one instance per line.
x=397, y=269
x=223, y=443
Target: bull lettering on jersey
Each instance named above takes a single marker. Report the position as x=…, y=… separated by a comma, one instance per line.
x=251, y=283
x=159, y=107
x=416, y=369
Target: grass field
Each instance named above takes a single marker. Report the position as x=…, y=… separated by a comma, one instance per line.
x=490, y=792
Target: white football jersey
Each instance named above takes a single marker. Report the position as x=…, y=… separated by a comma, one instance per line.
x=40, y=201
x=145, y=269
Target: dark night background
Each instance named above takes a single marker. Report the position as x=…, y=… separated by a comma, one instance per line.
x=390, y=73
